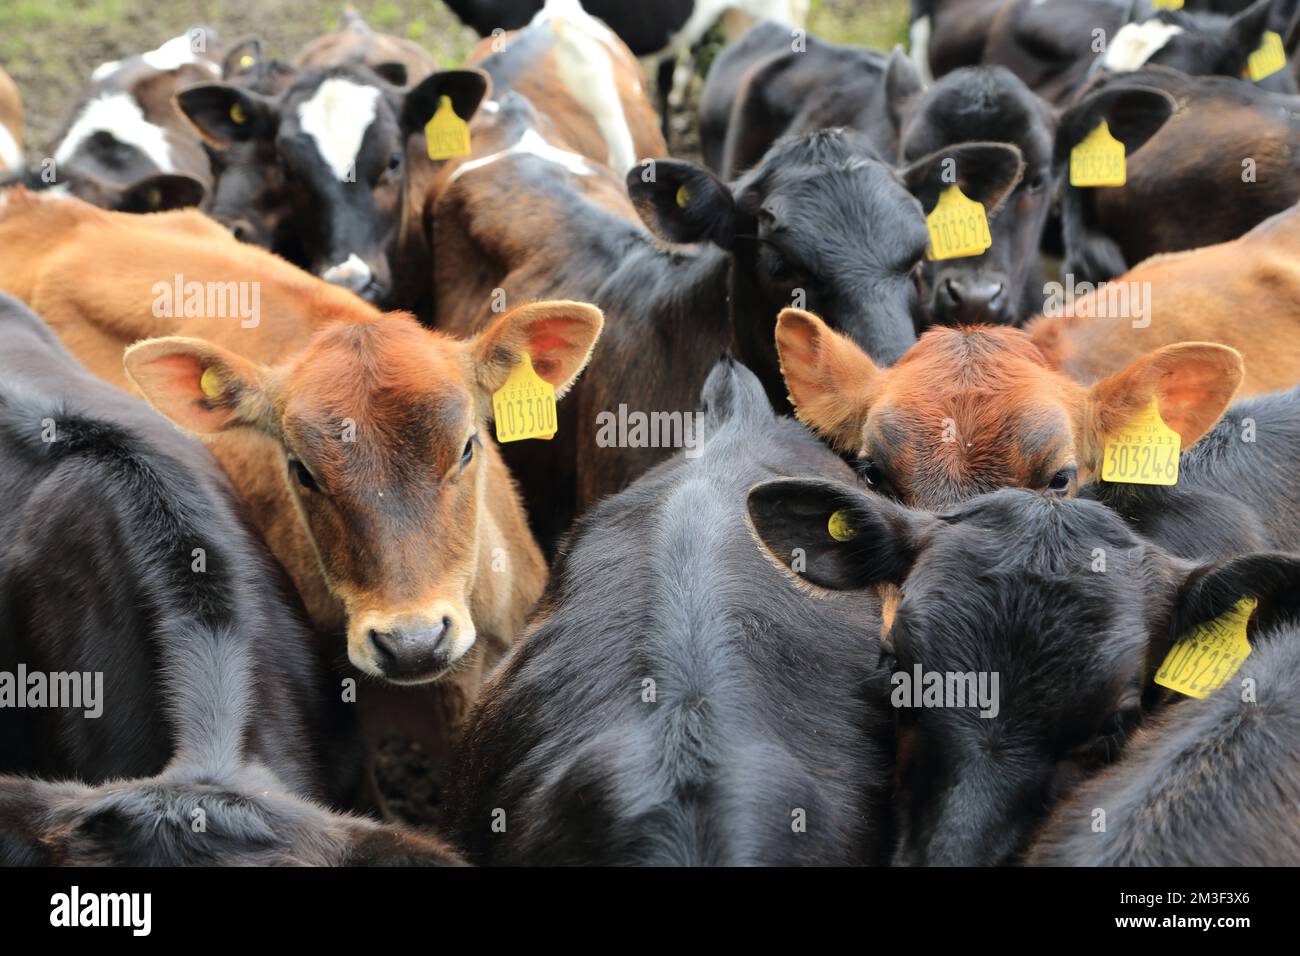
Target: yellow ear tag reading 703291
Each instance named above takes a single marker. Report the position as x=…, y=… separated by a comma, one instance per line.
x=1098, y=160
x=524, y=407
x=1206, y=657
x=446, y=134
x=958, y=226
x=1268, y=59
x=1144, y=452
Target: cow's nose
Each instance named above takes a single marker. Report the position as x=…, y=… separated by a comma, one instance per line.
x=966, y=301
x=242, y=230
x=352, y=273
x=415, y=653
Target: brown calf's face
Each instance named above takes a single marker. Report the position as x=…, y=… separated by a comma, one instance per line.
x=383, y=429
x=971, y=410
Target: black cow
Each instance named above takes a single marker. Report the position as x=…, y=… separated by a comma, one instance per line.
x=676, y=702
x=352, y=158
x=775, y=82
x=1057, y=599
x=1003, y=285
x=124, y=557
x=1191, y=142
x=1212, y=782
x=945, y=35
x=1238, y=487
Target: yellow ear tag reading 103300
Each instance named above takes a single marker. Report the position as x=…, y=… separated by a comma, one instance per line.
x=1098, y=160
x=1205, y=658
x=524, y=407
x=1268, y=59
x=958, y=226
x=446, y=134
x=1144, y=452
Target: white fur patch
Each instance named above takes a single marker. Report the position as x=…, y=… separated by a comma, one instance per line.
x=336, y=119
x=531, y=144
x=352, y=273
x=105, y=69
x=120, y=115
x=919, y=48
x=174, y=54
x=1136, y=43
x=11, y=154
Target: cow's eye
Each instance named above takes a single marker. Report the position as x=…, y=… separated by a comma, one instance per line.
x=302, y=475
x=1062, y=480
x=1035, y=183
x=468, y=454
x=394, y=161
x=869, y=472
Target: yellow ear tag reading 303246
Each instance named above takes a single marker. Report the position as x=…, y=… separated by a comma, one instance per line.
x=958, y=226
x=1144, y=452
x=446, y=134
x=1098, y=160
x=1268, y=59
x=524, y=407
x=1206, y=657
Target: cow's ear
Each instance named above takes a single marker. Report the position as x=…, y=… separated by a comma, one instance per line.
x=902, y=82
x=160, y=193
x=241, y=58
x=829, y=379
x=394, y=73
x=465, y=88
x=1245, y=33
x=683, y=202
x=1191, y=382
x=372, y=844
x=557, y=336
x=226, y=114
x=202, y=387
x=985, y=172
x=833, y=535
x=1132, y=113
x=1210, y=590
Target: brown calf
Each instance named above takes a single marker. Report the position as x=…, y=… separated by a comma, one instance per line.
x=1244, y=293
x=357, y=439
x=11, y=124
x=398, y=60
x=577, y=72
x=977, y=408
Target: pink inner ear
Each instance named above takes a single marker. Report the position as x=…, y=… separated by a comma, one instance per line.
x=171, y=383
x=549, y=346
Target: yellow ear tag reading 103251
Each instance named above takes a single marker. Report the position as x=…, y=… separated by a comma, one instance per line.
x=1098, y=160
x=446, y=134
x=524, y=407
x=1144, y=452
x=1206, y=657
x=1268, y=59
x=958, y=226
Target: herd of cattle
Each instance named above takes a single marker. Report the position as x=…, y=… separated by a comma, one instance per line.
x=818, y=566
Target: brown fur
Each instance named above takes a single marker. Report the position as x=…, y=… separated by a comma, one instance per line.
x=974, y=409
x=357, y=43
x=293, y=378
x=1244, y=293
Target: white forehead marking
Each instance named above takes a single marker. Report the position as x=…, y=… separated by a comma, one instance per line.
x=531, y=144
x=120, y=115
x=1136, y=43
x=336, y=119
x=11, y=155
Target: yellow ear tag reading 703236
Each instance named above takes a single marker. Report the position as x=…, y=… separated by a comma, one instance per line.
x=524, y=407
x=1206, y=657
x=958, y=226
x=446, y=134
x=1268, y=59
x=1098, y=160
x=1144, y=452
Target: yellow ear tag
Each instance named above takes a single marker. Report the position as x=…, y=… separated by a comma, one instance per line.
x=1206, y=657
x=958, y=226
x=524, y=407
x=1144, y=452
x=246, y=60
x=154, y=198
x=1167, y=4
x=210, y=383
x=1268, y=59
x=446, y=134
x=841, y=526
x=237, y=114
x=1098, y=160
x=683, y=196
